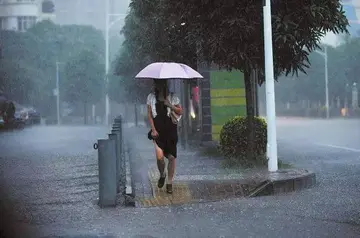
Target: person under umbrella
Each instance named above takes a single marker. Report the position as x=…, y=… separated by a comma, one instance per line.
x=7, y=111
x=3, y=105
x=164, y=111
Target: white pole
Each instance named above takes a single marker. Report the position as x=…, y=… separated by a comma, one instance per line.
x=57, y=94
x=270, y=90
x=107, y=106
x=93, y=113
x=326, y=84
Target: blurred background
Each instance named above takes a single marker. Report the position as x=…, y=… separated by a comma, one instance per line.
x=43, y=41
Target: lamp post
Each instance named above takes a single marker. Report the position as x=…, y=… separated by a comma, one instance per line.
x=57, y=94
x=354, y=96
x=346, y=104
x=270, y=89
x=325, y=55
x=108, y=25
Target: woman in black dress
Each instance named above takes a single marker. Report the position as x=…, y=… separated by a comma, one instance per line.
x=161, y=109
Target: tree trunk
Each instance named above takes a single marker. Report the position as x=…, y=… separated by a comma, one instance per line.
x=250, y=113
x=85, y=113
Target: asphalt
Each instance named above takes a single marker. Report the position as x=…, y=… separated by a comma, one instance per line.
x=50, y=188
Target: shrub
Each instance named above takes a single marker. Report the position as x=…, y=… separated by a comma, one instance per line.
x=233, y=141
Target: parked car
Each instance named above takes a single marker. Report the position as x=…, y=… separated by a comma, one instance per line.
x=30, y=116
x=16, y=123
x=34, y=116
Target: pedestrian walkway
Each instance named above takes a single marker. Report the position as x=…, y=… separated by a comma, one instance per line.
x=197, y=177
x=202, y=178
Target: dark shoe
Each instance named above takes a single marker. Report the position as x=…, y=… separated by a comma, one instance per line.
x=169, y=188
x=161, y=182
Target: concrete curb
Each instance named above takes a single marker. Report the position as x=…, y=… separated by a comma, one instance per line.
x=277, y=185
x=209, y=188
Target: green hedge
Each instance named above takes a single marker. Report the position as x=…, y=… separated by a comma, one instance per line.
x=233, y=141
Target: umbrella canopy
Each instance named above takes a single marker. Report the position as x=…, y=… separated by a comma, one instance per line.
x=166, y=70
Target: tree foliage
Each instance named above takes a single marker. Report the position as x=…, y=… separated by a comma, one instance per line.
x=230, y=35
x=149, y=38
x=28, y=59
x=84, y=78
x=231, y=32
x=343, y=69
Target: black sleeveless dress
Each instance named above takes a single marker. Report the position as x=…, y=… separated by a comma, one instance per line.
x=168, y=136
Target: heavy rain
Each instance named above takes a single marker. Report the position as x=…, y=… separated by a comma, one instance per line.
x=139, y=118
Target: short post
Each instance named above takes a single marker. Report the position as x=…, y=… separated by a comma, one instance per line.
x=118, y=120
x=117, y=128
x=107, y=172
x=119, y=151
x=118, y=125
x=93, y=113
x=114, y=136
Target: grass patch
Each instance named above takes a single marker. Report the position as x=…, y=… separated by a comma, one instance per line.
x=284, y=165
x=210, y=151
x=241, y=165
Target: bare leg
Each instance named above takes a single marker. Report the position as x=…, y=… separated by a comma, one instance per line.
x=171, y=168
x=160, y=160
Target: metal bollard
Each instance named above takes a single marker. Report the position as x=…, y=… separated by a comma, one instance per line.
x=118, y=127
x=119, y=146
x=118, y=120
x=114, y=137
x=107, y=172
x=118, y=132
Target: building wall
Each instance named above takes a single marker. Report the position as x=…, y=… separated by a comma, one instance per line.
x=19, y=15
x=67, y=12
x=352, y=11
x=88, y=12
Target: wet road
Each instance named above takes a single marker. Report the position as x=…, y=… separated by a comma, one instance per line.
x=51, y=172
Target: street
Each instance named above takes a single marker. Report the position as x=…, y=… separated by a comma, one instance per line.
x=49, y=175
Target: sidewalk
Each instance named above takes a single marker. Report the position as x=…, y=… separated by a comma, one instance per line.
x=202, y=178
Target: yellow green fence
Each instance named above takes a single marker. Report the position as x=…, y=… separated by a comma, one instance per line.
x=227, y=92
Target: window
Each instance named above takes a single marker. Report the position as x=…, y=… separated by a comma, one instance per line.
x=25, y=23
x=3, y=23
x=48, y=6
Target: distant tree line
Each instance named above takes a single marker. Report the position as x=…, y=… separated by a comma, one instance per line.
x=228, y=34
x=343, y=72
x=28, y=65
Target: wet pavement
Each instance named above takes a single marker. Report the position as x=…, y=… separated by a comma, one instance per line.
x=50, y=175
x=202, y=177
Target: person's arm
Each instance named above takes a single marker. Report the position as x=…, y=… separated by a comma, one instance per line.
x=149, y=113
x=176, y=107
x=150, y=118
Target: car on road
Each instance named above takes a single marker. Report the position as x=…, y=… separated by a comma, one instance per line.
x=34, y=116
x=28, y=115
x=24, y=115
